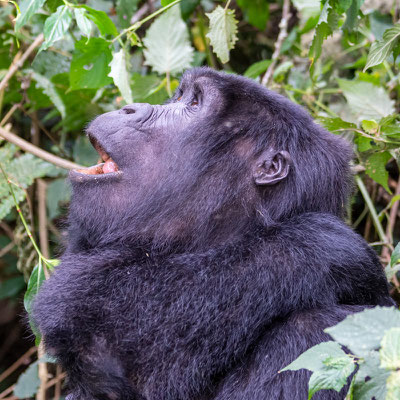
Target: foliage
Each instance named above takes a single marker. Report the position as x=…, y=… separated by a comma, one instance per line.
x=337, y=58
x=372, y=338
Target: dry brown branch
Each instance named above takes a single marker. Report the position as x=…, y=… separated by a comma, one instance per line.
x=9, y=114
x=6, y=392
x=36, y=151
x=16, y=365
x=18, y=63
x=279, y=42
x=6, y=249
x=57, y=387
x=55, y=380
x=42, y=373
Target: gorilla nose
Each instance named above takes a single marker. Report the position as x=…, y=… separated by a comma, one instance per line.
x=139, y=111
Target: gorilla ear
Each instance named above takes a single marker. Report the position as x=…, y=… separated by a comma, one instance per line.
x=271, y=167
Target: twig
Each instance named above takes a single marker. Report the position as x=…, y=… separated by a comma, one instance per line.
x=16, y=64
x=6, y=392
x=42, y=372
x=36, y=151
x=16, y=365
x=6, y=249
x=53, y=381
x=279, y=42
x=43, y=237
x=9, y=113
x=57, y=387
x=139, y=14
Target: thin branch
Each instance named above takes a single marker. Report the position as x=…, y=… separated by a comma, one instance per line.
x=139, y=14
x=279, y=42
x=22, y=360
x=42, y=373
x=36, y=151
x=16, y=64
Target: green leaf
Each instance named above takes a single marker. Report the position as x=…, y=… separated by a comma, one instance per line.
x=375, y=168
x=168, y=48
x=313, y=358
x=370, y=126
x=335, y=124
x=380, y=49
x=333, y=375
x=366, y=100
x=327, y=22
x=223, y=32
x=27, y=8
x=125, y=10
x=11, y=287
x=165, y=2
x=370, y=380
x=119, y=73
x=101, y=19
x=352, y=14
x=390, y=349
x=363, y=332
x=35, y=282
x=84, y=23
x=258, y=68
x=56, y=26
x=393, y=386
x=256, y=12
x=395, y=258
x=49, y=89
x=90, y=64
x=28, y=383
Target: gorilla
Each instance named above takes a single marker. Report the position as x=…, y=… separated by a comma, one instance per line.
x=207, y=251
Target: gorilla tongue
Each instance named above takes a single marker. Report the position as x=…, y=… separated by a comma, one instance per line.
x=109, y=166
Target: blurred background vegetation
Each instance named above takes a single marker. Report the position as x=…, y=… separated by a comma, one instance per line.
x=64, y=62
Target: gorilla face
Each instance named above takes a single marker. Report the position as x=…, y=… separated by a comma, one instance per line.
x=222, y=150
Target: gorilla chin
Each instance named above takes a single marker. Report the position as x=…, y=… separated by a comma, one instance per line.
x=207, y=251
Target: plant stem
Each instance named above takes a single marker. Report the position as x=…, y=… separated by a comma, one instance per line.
x=370, y=205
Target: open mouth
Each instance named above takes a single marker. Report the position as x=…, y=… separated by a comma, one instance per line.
x=107, y=167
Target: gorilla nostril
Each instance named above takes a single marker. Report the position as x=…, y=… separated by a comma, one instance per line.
x=128, y=110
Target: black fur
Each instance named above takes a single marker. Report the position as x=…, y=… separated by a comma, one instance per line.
x=183, y=278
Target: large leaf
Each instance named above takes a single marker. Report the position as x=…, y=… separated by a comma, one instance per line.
x=363, y=332
x=390, y=349
x=50, y=90
x=370, y=380
x=168, y=48
x=366, y=100
x=258, y=68
x=256, y=11
x=375, y=168
x=223, y=32
x=393, y=386
x=380, y=49
x=83, y=22
x=28, y=383
x=119, y=73
x=56, y=26
x=90, y=64
x=27, y=8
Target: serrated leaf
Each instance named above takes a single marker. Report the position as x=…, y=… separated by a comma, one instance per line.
x=370, y=380
x=101, y=19
x=390, y=349
x=56, y=26
x=258, y=68
x=327, y=22
x=28, y=382
x=168, y=48
x=363, y=332
x=313, y=358
x=333, y=375
x=119, y=73
x=27, y=8
x=125, y=9
x=375, y=168
x=381, y=49
x=84, y=23
x=393, y=386
x=90, y=64
x=352, y=14
x=366, y=100
x=50, y=90
x=256, y=12
x=223, y=32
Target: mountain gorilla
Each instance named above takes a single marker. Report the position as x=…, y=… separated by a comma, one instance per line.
x=207, y=251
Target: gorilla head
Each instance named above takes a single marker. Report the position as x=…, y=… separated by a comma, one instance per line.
x=222, y=155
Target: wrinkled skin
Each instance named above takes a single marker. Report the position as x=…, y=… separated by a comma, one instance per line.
x=207, y=252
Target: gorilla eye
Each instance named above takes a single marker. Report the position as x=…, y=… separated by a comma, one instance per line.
x=194, y=103
x=179, y=98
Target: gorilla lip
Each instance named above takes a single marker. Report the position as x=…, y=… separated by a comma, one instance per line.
x=107, y=167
